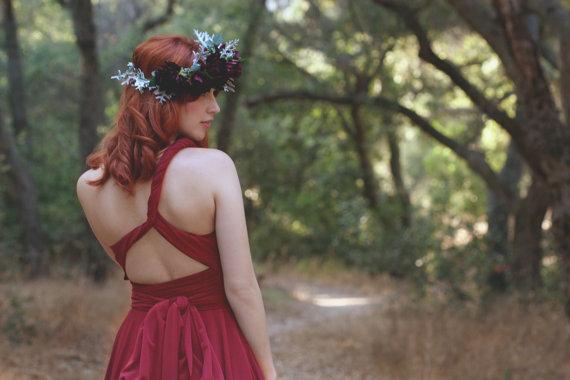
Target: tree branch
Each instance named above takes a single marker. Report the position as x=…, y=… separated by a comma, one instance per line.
x=474, y=159
x=482, y=20
x=288, y=60
x=271, y=97
x=486, y=106
x=427, y=54
x=559, y=16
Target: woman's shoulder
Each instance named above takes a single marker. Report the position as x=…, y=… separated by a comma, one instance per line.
x=83, y=187
x=209, y=166
x=89, y=175
x=205, y=158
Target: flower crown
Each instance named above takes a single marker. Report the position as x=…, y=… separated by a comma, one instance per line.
x=216, y=65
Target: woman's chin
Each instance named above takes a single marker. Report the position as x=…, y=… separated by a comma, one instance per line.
x=196, y=135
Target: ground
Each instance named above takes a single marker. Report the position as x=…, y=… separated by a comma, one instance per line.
x=322, y=323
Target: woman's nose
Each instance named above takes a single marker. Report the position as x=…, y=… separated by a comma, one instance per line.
x=213, y=105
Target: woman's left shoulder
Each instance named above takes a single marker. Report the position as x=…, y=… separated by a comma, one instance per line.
x=90, y=174
x=86, y=177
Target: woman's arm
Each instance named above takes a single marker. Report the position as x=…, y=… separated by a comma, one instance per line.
x=240, y=283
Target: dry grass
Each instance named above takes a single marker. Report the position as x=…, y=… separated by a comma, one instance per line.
x=508, y=341
x=58, y=328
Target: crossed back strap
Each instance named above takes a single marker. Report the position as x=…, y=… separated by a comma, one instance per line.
x=158, y=177
x=121, y=247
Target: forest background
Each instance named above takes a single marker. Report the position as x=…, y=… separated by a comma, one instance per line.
x=425, y=140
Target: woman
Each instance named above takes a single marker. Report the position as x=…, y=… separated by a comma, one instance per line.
x=170, y=212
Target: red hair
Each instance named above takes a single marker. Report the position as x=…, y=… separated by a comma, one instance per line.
x=143, y=126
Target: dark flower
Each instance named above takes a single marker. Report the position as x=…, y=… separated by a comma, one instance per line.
x=197, y=78
x=215, y=66
x=198, y=85
x=168, y=80
x=233, y=68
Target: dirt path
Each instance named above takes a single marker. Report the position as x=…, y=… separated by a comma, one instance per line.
x=314, y=329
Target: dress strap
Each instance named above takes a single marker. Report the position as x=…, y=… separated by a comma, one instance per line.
x=158, y=176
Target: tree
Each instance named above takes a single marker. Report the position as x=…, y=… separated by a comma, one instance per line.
x=228, y=116
x=502, y=186
x=26, y=192
x=90, y=105
x=355, y=82
x=538, y=131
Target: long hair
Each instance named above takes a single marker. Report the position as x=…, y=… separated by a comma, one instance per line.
x=143, y=126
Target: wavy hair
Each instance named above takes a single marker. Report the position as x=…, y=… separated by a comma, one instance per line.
x=143, y=126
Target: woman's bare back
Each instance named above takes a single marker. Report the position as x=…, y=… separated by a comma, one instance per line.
x=186, y=201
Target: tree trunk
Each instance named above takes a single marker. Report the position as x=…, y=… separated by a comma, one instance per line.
x=90, y=111
x=560, y=231
x=34, y=260
x=542, y=126
x=91, y=99
x=396, y=170
x=527, y=251
x=227, y=123
x=497, y=216
x=370, y=186
x=16, y=93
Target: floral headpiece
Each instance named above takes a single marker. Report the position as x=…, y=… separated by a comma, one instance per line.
x=215, y=65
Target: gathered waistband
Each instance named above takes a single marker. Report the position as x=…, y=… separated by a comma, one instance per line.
x=204, y=290
x=144, y=302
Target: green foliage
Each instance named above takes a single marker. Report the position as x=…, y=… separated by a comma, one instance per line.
x=463, y=267
x=400, y=253
x=298, y=166
x=453, y=189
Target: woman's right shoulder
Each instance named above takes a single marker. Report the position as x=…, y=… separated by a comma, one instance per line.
x=208, y=168
x=206, y=163
x=204, y=157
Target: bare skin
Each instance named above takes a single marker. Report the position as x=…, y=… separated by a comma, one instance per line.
x=201, y=193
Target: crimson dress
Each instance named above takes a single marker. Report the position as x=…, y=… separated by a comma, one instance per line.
x=183, y=328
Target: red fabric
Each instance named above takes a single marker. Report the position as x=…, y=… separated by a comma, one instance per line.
x=184, y=328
